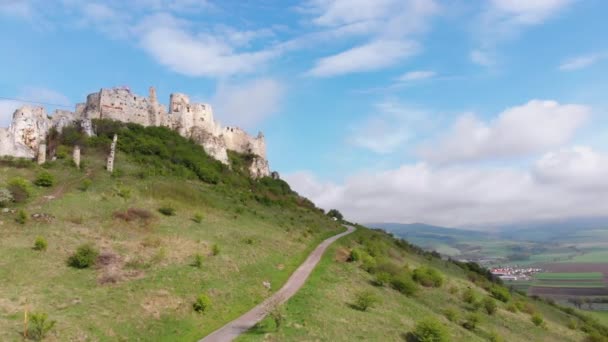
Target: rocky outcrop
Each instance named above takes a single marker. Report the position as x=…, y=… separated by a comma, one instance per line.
x=195, y=121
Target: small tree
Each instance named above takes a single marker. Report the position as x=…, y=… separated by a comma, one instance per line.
x=278, y=316
x=334, y=213
x=471, y=322
x=490, y=305
x=429, y=330
x=202, y=303
x=45, y=179
x=364, y=300
x=21, y=217
x=501, y=293
x=84, y=257
x=40, y=244
x=428, y=277
x=39, y=326
x=468, y=296
x=85, y=185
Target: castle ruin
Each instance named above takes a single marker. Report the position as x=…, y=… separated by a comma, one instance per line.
x=195, y=121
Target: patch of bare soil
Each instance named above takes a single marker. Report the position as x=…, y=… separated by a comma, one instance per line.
x=111, y=269
x=161, y=302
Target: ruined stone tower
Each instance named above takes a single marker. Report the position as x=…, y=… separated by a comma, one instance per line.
x=110, y=164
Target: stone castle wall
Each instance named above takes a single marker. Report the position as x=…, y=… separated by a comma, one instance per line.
x=30, y=125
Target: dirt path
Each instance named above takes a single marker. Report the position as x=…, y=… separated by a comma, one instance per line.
x=233, y=329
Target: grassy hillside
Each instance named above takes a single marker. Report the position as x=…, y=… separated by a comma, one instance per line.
x=228, y=235
x=326, y=308
x=172, y=231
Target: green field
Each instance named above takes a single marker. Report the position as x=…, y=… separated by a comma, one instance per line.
x=583, y=276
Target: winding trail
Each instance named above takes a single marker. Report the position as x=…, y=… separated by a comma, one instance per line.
x=233, y=329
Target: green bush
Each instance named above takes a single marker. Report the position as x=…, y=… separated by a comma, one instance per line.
x=494, y=337
x=45, y=179
x=21, y=217
x=278, y=316
x=167, y=211
x=537, y=319
x=428, y=277
x=215, y=250
x=365, y=300
x=198, y=218
x=62, y=152
x=20, y=189
x=198, y=261
x=356, y=254
x=500, y=293
x=85, y=257
x=490, y=305
x=468, y=296
x=85, y=184
x=382, y=278
x=404, y=284
x=40, y=244
x=6, y=197
x=39, y=325
x=471, y=322
x=202, y=303
x=450, y=314
x=429, y=330
x=512, y=308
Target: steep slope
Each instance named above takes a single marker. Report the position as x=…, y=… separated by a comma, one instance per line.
x=327, y=308
x=226, y=236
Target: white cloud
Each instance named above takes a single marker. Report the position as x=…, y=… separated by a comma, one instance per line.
x=247, y=104
x=388, y=24
x=517, y=131
x=417, y=75
x=482, y=58
x=549, y=189
x=22, y=9
x=389, y=127
x=581, y=62
x=372, y=56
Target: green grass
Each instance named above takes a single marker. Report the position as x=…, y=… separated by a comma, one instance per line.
x=322, y=310
x=152, y=284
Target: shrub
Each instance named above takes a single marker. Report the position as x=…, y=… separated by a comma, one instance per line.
x=198, y=261
x=84, y=257
x=453, y=290
x=368, y=263
x=198, y=218
x=39, y=326
x=471, y=322
x=21, y=217
x=572, y=324
x=6, y=197
x=40, y=244
x=167, y=211
x=133, y=214
x=450, y=314
x=494, y=337
x=356, y=254
x=512, y=308
x=468, y=296
x=428, y=277
x=500, y=293
x=490, y=305
x=202, y=303
x=278, y=316
x=382, y=279
x=429, y=330
x=365, y=300
x=123, y=192
x=215, y=250
x=404, y=284
x=20, y=189
x=85, y=184
x=537, y=319
x=45, y=179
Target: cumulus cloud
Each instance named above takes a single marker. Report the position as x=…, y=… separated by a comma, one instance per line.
x=372, y=56
x=582, y=62
x=529, y=128
x=482, y=58
x=551, y=188
x=247, y=104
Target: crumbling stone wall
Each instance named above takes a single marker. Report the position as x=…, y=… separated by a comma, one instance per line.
x=192, y=120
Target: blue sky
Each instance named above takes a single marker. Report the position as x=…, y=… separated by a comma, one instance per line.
x=446, y=112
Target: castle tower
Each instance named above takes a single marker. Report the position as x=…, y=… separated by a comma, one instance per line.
x=110, y=164
x=76, y=156
x=41, y=153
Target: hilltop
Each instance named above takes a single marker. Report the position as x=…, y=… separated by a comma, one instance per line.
x=174, y=243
